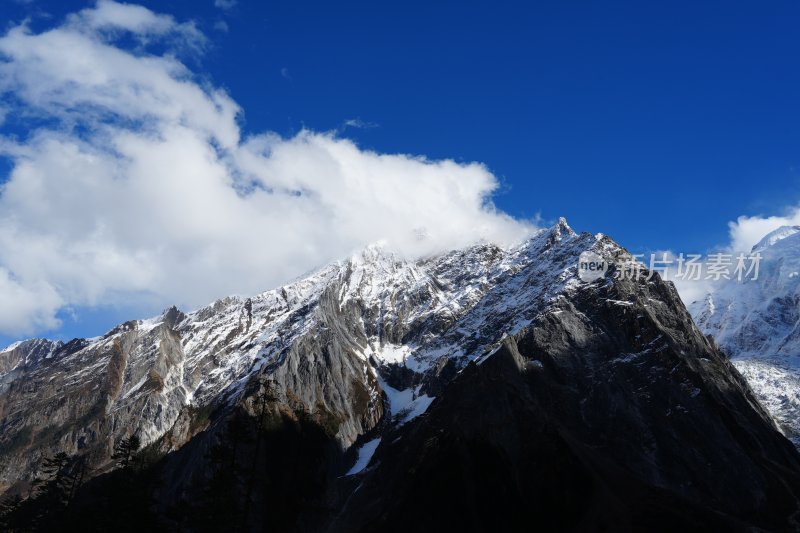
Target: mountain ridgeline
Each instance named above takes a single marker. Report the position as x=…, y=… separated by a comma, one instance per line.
x=484, y=389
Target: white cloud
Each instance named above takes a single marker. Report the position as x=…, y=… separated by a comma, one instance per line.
x=27, y=306
x=142, y=190
x=110, y=16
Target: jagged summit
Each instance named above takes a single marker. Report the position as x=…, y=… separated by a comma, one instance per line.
x=563, y=226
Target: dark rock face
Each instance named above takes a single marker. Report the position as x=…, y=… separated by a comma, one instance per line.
x=506, y=393
x=609, y=412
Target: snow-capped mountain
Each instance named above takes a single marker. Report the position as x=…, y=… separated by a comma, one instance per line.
x=375, y=308
x=475, y=384
x=759, y=316
x=757, y=322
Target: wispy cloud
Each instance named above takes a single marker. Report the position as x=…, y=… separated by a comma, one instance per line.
x=225, y=4
x=141, y=188
x=359, y=124
x=110, y=16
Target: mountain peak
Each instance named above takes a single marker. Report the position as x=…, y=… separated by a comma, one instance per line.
x=172, y=316
x=559, y=230
x=563, y=226
x=775, y=236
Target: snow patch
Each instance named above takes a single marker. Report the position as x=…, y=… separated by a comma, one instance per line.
x=407, y=404
x=416, y=408
x=365, y=453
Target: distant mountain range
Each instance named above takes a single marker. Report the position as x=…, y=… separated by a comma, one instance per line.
x=480, y=389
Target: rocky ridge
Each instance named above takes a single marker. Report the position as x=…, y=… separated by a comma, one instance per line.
x=496, y=376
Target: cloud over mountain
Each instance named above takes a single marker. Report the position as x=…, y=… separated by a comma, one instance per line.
x=746, y=231
x=132, y=182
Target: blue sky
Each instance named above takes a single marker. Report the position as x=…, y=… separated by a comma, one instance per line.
x=656, y=124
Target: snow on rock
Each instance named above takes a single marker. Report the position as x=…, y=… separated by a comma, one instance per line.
x=776, y=383
x=415, y=408
x=11, y=347
x=365, y=454
x=387, y=311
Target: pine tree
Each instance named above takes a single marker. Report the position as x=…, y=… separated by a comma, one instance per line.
x=49, y=498
x=54, y=486
x=125, y=451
